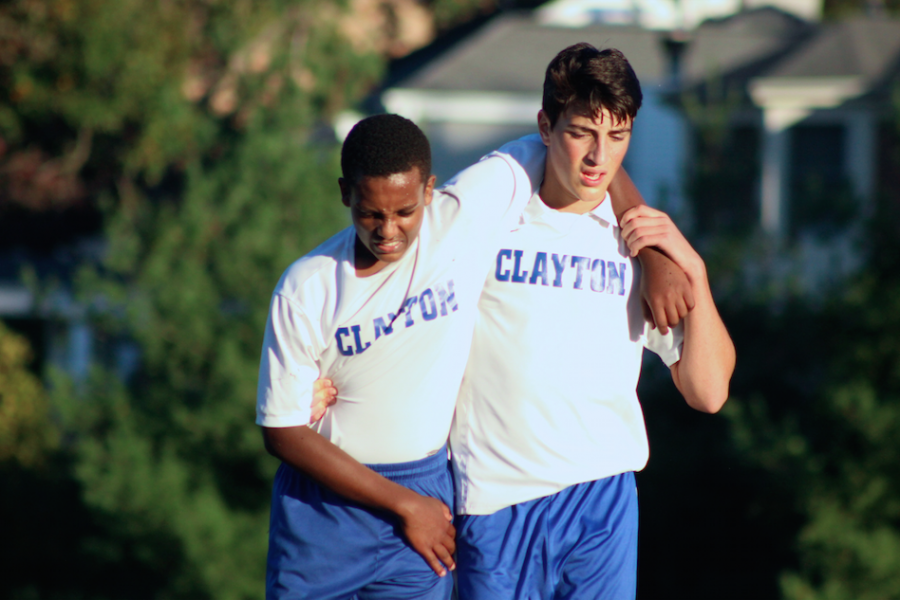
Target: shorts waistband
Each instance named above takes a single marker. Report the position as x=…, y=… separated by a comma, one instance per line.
x=414, y=469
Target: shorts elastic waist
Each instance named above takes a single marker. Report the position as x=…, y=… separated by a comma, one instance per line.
x=414, y=469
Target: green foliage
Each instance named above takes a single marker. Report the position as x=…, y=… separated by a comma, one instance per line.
x=842, y=9
x=176, y=461
x=839, y=453
x=195, y=123
x=27, y=434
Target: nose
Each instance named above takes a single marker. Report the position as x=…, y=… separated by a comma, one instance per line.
x=388, y=228
x=597, y=153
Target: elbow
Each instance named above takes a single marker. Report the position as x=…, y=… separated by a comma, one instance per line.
x=270, y=443
x=710, y=400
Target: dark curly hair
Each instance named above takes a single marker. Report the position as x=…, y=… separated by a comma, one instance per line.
x=591, y=79
x=383, y=145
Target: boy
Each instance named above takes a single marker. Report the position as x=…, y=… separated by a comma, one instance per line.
x=386, y=309
x=548, y=429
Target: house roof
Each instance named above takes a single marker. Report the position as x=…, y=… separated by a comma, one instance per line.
x=743, y=44
x=510, y=53
x=845, y=63
x=862, y=47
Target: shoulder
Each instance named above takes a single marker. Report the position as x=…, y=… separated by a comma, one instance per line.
x=492, y=171
x=517, y=166
x=313, y=277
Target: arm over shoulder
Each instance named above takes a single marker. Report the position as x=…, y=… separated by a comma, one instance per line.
x=496, y=189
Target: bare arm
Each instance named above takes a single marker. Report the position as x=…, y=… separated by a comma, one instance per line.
x=665, y=290
x=708, y=358
x=426, y=522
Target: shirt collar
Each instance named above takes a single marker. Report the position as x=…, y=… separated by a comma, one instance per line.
x=537, y=210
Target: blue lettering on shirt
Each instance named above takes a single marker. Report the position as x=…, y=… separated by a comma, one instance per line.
x=428, y=307
x=616, y=278
x=424, y=305
x=409, y=302
x=500, y=274
x=359, y=347
x=380, y=327
x=517, y=276
x=539, y=269
x=559, y=264
x=605, y=275
x=598, y=275
x=448, y=298
x=342, y=332
x=580, y=262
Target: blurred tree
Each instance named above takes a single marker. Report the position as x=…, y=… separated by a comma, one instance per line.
x=26, y=433
x=841, y=9
x=822, y=426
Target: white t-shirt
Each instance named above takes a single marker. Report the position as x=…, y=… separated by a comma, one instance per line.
x=394, y=343
x=549, y=395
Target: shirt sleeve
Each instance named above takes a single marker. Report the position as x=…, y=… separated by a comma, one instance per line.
x=288, y=367
x=494, y=191
x=669, y=346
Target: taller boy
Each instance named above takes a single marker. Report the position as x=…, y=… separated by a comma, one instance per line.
x=548, y=428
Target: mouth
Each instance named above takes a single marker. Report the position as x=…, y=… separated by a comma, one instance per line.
x=592, y=178
x=388, y=246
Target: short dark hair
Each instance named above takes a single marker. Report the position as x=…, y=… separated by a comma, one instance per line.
x=384, y=145
x=591, y=79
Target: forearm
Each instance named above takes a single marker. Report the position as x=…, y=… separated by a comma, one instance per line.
x=624, y=194
x=310, y=453
x=665, y=290
x=708, y=356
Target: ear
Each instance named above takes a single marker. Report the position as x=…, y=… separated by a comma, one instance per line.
x=345, y=191
x=429, y=189
x=544, y=127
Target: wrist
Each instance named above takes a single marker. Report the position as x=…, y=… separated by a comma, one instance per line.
x=696, y=270
x=403, y=503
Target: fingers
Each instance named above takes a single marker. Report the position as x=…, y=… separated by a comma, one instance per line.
x=682, y=308
x=324, y=395
x=435, y=564
x=318, y=411
x=689, y=298
x=660, y=318
x=445, y=552
x=641, y=237
x=441, y=557
x=648, y=314
x=639, y=211
x=324, y=391
x=672, y=315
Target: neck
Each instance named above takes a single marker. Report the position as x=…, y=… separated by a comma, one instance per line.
x=558, y=198
x=364, y=261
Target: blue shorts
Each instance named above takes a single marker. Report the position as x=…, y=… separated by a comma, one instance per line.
x=578, y=543
x=326, y=547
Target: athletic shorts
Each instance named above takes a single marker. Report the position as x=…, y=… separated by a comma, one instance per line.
x=323, y=546
x=578, y=543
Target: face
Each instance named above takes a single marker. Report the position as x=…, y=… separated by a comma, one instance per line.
x=387, y=213
x=584, y=152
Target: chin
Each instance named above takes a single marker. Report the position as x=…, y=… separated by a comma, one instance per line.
x=392, y=257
